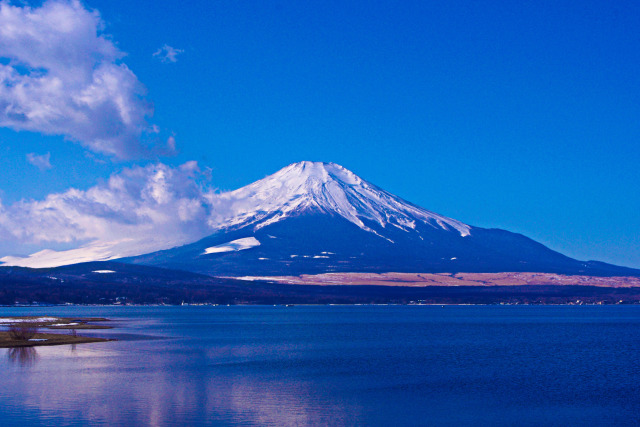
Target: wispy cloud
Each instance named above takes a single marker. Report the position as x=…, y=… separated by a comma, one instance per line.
x=139, y=210
x=168, y=54
x=41, y=161
x=60, y=75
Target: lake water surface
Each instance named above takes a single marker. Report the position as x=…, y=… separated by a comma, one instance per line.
x=331, y=365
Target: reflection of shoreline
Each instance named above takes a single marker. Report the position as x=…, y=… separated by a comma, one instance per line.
x=24, y=356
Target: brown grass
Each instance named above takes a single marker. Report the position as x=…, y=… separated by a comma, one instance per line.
x=7, y=341
x=25, y=329
x=458, y=279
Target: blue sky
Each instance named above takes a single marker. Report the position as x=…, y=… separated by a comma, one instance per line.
x=499, y=114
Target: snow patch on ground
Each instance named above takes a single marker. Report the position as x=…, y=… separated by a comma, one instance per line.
x=252, y=278
x=234, y=245
x=103, y=271
x=4, y=320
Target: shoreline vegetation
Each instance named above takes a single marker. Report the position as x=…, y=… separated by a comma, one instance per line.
x=272, y=293
x=24, y=331
x=129, y=284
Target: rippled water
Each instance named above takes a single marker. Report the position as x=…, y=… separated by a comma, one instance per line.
x=362, y=365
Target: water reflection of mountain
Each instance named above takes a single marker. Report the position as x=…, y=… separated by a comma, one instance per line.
x=24, y=356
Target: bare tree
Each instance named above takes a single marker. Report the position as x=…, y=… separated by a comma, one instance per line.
x=22, y=331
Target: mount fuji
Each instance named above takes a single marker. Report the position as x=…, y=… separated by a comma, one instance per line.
x=313, y=217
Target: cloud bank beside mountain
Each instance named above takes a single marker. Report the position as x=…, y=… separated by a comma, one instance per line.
x=140, y=209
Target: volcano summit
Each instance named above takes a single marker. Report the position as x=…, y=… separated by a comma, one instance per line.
x=313, y=217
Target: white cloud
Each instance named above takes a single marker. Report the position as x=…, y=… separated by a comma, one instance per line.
x=41, y=161
x=168, y=54
x=139, y=210
x=60, y=75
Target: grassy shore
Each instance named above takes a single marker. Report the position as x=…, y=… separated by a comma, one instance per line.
x=50, y=339
x=23, y=331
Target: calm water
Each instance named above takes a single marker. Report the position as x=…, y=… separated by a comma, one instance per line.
x=334, y=366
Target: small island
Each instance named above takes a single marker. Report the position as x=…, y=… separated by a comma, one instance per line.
x=24, y=331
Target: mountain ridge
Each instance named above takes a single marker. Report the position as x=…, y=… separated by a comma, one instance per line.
x=314, y=217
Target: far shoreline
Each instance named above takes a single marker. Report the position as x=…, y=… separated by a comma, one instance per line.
x=348, y=304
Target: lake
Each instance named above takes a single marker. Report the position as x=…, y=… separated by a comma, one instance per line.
x=333, y=365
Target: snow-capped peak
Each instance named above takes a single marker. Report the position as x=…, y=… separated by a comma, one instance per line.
x=299, y=187
x=324, y=187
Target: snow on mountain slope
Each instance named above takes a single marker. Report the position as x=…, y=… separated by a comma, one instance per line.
x=297, y=188
x=93, y=251
x=234, y=245
x=50, y=258
x=327, y=188
x=313, y=217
